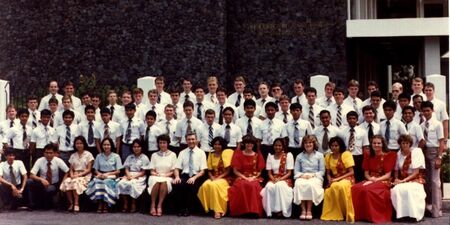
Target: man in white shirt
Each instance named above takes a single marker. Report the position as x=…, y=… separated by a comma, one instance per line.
x=397, y=89
x=296, y=129
x=402, y=102
x=375, y=102
x=434, y=147
x=221, y=105
x=311, y=109
x=69, y=90
x=189, y=169
x=413, y=128
x=439, y=107
x=417, y=87
x=391, y=128
x=65, y=135
x=277, y=92
x=263, y=90
x=357, y=142
x=117, y=111
x=188, y=124
x=418, y=115
x=237, y=98
x=35, y=115
x=284, y=113
x=87, y=129
x=271, y=129
x=325, y=131
x=169, y=125
x=230, y=131
x=338, y=110
x=8, y=124
x=248, y=95
x=187, y=93
x=371, y=87
x=178, y=112
x=249, y=123
x=19, y=136
x=45, y=178
x=369, y=125
x=300, y=96
x=163, y=97
x=106, y=128
x=328, y=99
x=201, y=105
x=132, y=128
x=138, y=95
x=53, y=93
x=13, y=179
x=152, y=131
x=67, y=105
x=213, y=84
x=210, y=130
x=352, y=99
x=42, y=136
x=152, y=105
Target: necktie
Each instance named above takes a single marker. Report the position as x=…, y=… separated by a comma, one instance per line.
x=285, y=119
x=34, y=123
x=13, y=177
x=311, y=116
x=11, y=140
x=375, y=117
x=188, y=128
x=52, y=119
x=298, y=100
x=159, y=99
x=213, y=98
x=325, y=139
x=147, y=133
x=221, y=115
x=49, y=172
x=277, y=101
x=191, y=162
x=425, y=131
x=46, y=135
x=68, y=136
x=112, y=111
x=406, y=126
x=210, y=135
x=328, y=101
x=106, y=132
x=128, y=133
x=355, y=106
x=227, y=133
x=90, y=134
x=351, y=140
x=249, y=127
x=186, y=98
x=421, y=118
x=339, y=116
x=370, y=132
x=175, y=111
x=24, y=137
x=269, y=133
x=263, y=101
x=153, y=107
x=168, y=128
x=199, y=111
x=387, y=134
x=238, y=101
x=296, y=134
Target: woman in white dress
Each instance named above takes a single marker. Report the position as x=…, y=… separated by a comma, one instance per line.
x=133, y=183
x=277, y=195
x=162, y=165
x=408, y=194
x=79, y=175
x=309, y=171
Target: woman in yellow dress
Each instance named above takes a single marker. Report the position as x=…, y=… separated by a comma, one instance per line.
x=213, y=193
x=337, y=204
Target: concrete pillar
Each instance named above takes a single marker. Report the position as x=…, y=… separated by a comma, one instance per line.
x=318, y=82
x=4, y=98
x=147, y=84
x=432, y=56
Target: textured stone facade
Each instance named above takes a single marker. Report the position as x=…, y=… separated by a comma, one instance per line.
x=120, y=41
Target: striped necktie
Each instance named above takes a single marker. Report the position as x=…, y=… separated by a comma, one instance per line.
x=311, y=116
x=339, y=116
x=68, y=135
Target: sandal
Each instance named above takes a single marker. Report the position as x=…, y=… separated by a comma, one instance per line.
x=153, y=211
x=308, y=216
x=217, y=215
x=303, y=216
x=76, y=208
x=159, y=211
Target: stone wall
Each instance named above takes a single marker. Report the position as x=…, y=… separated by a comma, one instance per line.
x=120, y=41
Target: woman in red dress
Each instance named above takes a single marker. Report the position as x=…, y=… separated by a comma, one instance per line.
x=244, y=196
x=372, y=198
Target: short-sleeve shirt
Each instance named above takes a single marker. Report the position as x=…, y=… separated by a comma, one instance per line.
x=213, y=160
x=331, y=162
x=42, y=135
x=435, y=132
x=310, y=163
x=108, y=163
x=137, y=127
x=417, y=160
x=57, y=164
x=80, y=162
x=60, y=136
x=304, y=128
x=396, y=128
x=136, y=163
x=199, y=160
x=163, y=162
x=18, y=170
x=274, y=164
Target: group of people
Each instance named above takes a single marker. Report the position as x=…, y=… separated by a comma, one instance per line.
x=234, y=154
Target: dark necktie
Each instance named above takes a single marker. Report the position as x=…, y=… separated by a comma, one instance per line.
x=11, y=140
x=311, y=116
x=285, y=119
x=238, y=101
x=351, y=140
x=339, y=116
x=370, y=132
x=263, y=101
x=24, y=137
x=186, y=98
x=52, y=119
x=168, y=128
x=210, y=135
x=128, y=133
x=328, y=101
x=425, y=131
x=91, y=133
x=221, y=115
x=159, y=99
x=387, y=134
x=227, y=133
x=106, y=132
x=325, y=139
x=147, y=134
x=13, y=177
x=420, y=118
x=68, y=135
x=175, y=111
x=188, y=128
x=298, y=100
x=112, y=111
x=199, y=111
x=49, y=172
x=296, y=134
x=249, y=127
x=34, y=123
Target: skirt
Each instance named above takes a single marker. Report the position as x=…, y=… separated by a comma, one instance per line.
x=214, y=195
x=277, y=197
x=408, y=200
x=372, y=202
x=152, y=180
x=337, y=204
x=245, y=198
x=133, y=187
x=308, y=189
x=104, y=190
x=78, y=184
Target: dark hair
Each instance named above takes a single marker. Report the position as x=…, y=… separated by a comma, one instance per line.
x=163, y=137
x=249, y=102
x=68, y=113
x=310, y=89
x=405, y=96
x=46, y=112
x=228, y=109
x=210, y=112
x=91, y=107
x=188, y=104
x=248, y=138
x=338, y=90
x=113, y=147
x=390, y=104
x=375, y=94
x=405, y=137
x=221, y=89
x=221, y=140
x=417, y=96
x=10, y=151
x=32, y=97
x=271, y=104
x=352, y=113
x=340, y=142
x=82, y=139
x=130, y=106
x=50, y=147
x=283, y=144
x=367, y=108
x=425, y=104
x=294, y=106
x=248, y=90
x=324, y=111
x=53, y=100
x=383, y=142
x=137, y=141
x=150, y=113
x=408, y=107
x=105, y=110
x=23, y=111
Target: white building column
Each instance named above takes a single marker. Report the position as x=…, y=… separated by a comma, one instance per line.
x=432, y=56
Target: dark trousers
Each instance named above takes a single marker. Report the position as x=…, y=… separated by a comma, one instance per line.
x=183, y=146
x=266, y=150
x=40, y=196
x=174, y=149
x=24, y=156
x=38, y=153
x=13, y=202
x=93, y=151
x=294, y=151
x=125, y=151
x=359, y=172
x=185, y=194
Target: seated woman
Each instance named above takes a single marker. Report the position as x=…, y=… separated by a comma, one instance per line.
x=133, y=183
x=107, y=166
x=244, y=195
x=308, y=172
x=162, y=165
x=408, y=194
x=337, y=203
x=372, y=198
x=213, y=193
x=79, y=174
x=277, y=195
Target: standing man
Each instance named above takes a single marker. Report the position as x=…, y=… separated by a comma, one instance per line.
x=352, y=99
x=106, y=128
x=271, y=129
x=187, y=93
x=53, y=93
x=69, y=90
x=221, y=105
x=338, y=110
x=169, y=125
x=439, y=108
x=19, y=136
x=132, y=128
x=210, y=130
x=213, y=84
x=328, y=99
x=163, y=98
x=188, y=124
x=391, y=128
x=35, y=116
x=296, y=129
x=65, y=135
x=299, y=97
x=117, y=111
x=311, y=109
x=325, y=131
x=237, y=98
x=42, y=136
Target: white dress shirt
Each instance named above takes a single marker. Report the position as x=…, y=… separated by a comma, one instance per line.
x=83, y=129
x=271, y=130
x=435, y=132
x=44, y=101
x=172, y=128
x=40, y=168
x=137, y=129
x=198, y=157
x=182, y=125
x=304, y=128
x=114, y=131
x=42, y=135
x=333, y=108
x=18, y=169
x=361, y=139
x=235, y=134
x=16, y=134
x=396, y=128
x=190, y=98
x=60, y=137
x=319, y=132
x=255, y=124
x=316, y=110
x=416, y=133
x=204, y=136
